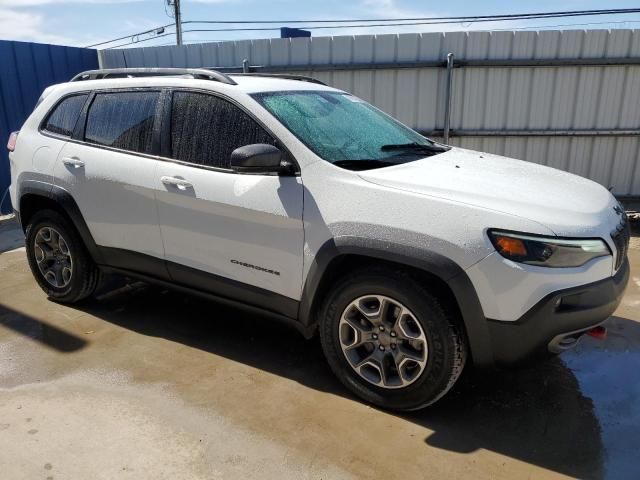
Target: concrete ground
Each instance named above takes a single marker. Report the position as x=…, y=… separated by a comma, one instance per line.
x=144, y=383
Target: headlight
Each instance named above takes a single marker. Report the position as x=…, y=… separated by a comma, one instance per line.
x=547, y=251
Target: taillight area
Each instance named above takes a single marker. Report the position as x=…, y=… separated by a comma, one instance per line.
x=13, y=138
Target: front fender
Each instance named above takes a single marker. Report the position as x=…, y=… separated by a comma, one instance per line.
x=409, y=256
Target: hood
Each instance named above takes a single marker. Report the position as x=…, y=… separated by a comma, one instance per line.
x=567, y=204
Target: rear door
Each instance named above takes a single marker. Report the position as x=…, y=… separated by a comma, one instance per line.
x=109, y=169
x=223, y=231
x=39, y=148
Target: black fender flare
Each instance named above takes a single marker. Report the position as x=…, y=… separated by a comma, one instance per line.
x=68, y=205
x=428, y=261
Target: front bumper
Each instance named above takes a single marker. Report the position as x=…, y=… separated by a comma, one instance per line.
x=552, y=324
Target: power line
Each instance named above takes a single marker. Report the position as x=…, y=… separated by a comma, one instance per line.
x=140, y=41
x=565, y=25
x=337, y=24
x=359, y=25
x=155, y=29
x=187, y=42
x=516, y=16
x=496, y=30
x=429, y=21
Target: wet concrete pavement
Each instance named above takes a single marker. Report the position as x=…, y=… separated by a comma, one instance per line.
x=144, y=383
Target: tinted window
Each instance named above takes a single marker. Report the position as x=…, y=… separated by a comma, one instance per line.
x=64, y=117
x=122, y=120
x=206, y=129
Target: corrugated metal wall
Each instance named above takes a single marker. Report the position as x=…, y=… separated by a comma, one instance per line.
x=492, y=100
x=26, y=69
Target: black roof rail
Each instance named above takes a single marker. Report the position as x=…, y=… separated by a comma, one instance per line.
x=197, y=73
x=286, y=76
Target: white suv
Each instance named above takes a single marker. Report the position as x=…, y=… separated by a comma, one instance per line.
x=286, y=196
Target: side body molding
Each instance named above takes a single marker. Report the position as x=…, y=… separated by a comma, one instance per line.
x=411, y=256
x=68, y=204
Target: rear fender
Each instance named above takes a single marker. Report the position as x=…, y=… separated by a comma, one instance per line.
x=31, y=189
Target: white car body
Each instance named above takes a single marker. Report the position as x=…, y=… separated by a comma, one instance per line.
x=246, y=227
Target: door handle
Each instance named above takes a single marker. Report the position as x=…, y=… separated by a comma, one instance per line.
x=73, y=162
x=176, y=182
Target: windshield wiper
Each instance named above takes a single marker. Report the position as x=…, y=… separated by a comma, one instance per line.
x=412, y=146
x=364, y=164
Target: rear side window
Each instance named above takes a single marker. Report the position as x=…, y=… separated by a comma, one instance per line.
x=205, y=129
x=62, y=120
x=122, y=120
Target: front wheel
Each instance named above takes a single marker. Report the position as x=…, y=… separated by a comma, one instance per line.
x=390, y=340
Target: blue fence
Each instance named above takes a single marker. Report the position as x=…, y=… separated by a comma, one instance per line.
x=26, y=69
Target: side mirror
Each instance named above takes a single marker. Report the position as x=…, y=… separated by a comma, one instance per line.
x=259, y=157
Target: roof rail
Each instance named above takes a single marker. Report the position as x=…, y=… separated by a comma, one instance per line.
x=301, y=78
x=197, y=73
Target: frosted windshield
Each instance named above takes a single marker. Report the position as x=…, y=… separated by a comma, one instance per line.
x=338, y=126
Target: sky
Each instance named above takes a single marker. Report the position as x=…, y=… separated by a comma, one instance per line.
x=86, y=22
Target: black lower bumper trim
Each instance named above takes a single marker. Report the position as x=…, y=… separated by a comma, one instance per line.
x=567, y=311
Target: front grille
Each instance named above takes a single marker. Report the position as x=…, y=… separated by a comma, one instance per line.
x=620, y=237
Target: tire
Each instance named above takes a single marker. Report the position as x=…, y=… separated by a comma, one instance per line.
x=79, y=277
x=439, y=344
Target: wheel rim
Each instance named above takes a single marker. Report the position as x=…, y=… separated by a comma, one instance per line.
x=383, y=341
x=53, y=257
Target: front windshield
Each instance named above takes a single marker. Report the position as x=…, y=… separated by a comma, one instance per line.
x=344, y=130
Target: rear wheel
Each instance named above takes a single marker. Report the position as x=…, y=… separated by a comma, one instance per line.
x=390, y=340
x=58, y=259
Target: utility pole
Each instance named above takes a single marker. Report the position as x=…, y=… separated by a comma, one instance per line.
x=178, y=17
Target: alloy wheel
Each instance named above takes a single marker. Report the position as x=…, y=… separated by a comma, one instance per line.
x=383, y=341
x=53, y=257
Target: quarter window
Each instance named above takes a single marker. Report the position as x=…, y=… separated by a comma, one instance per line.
x=205, y=129
x=63, y=118
x=122, y=120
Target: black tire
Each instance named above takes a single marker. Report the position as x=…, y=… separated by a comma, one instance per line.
x=84, y=273
x=447, y=347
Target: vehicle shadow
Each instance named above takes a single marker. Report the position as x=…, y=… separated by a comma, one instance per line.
x=39, y=331
x=536, y=415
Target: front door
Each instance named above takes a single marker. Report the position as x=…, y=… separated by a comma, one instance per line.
x=238, y=235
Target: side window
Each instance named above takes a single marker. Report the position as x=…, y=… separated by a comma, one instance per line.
x=62, y=120
x=122, y=120
x=205, y=129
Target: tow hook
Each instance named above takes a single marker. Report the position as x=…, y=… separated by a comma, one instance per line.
x=599, y=332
